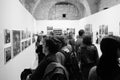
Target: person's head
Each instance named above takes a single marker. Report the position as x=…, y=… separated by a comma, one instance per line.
x=87, y=40
x=81, y=32
x=50, y=45
x=108, y=63
x=62, y=40
x=39, y=38
x=110, y=46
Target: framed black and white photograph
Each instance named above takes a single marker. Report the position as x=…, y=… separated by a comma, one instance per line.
x=26, y=45
x=33, y=38
x=7, y=36
x=7, y=54
x=23, y=46
x=16, y=42
x=29, y=42
x=88, y=28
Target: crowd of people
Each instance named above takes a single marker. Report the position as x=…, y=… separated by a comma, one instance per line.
x=63, y=58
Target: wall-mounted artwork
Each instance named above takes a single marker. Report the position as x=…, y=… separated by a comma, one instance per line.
x=71, y=30
x=29, y=34
x=103, y=29
x=23, y=46
x=29, y=42
x=7, y=54
x=49, y=29
x=26, y=44
x=119, y=28
x=88, y=28
x=16, y=42
x=33, y=38
x=7, y=36
x=23, y=34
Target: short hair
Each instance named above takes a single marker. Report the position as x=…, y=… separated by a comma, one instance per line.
x=81, y=32
x=109, y=45
x=53, y=44
x=87, y=39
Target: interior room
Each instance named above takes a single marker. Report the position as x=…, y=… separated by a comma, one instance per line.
x=22, y=19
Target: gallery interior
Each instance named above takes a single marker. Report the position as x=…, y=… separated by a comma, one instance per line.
x=29, y=17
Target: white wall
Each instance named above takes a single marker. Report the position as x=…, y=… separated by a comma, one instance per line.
x=63, y=24
x=13, y=16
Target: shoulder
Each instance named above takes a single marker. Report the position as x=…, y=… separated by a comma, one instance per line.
x=59, y=54
x=92, y=73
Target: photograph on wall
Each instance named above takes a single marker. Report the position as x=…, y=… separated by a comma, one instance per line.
x=29, y=34
x=23, y=34
x=29, y=42
x=119, y=28
x=57, y=31
x=71, y=30
x=88, y=28
x=7, y=36
x=49, y=29
x=103, y=30
x=7, y=54
x=23, y=46
x=33, y=38
x=16, y=42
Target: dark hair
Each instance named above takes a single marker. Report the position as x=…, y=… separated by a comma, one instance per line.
x=39, y=38
x=108, y=64
x=87, y=39
x=53, y=44
x=62, y=40
x=81, y=32
x=110, y=44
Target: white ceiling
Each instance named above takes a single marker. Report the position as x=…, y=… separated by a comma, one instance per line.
x=48, y=10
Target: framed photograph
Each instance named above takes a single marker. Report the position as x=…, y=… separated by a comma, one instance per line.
x=26, y=44
x=29, y=42
x=7, y=36
x=103, y=29
x=23, y=46
x=88, y=28
x=16, y=42
x=7, y=54
x=33, y=38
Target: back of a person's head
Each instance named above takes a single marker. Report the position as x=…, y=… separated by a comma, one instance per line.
x=107, y=67
x=81, y=32
x=109, y=46
x=62, y=41
x=53, y=44
x=87, y=40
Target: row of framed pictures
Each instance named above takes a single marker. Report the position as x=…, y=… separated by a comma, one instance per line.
x=14, y=38
x=102, y=31
x=20, y=35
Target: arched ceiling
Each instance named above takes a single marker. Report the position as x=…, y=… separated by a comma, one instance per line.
x=60, y=9
x=56, y=9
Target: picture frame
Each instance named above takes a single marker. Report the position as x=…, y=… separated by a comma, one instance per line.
x=16, y=42
x=7, y=36
x=7, y=54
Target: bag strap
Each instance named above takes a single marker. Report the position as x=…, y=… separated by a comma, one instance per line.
x=52, y=66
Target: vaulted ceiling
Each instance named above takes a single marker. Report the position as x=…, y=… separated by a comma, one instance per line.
x=61, y=9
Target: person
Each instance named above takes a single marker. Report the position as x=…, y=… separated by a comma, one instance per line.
x=88, y=56
x=68, y=60
x=108, y=66
x=79, y=39
x=50, y=47
x=39, y=51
